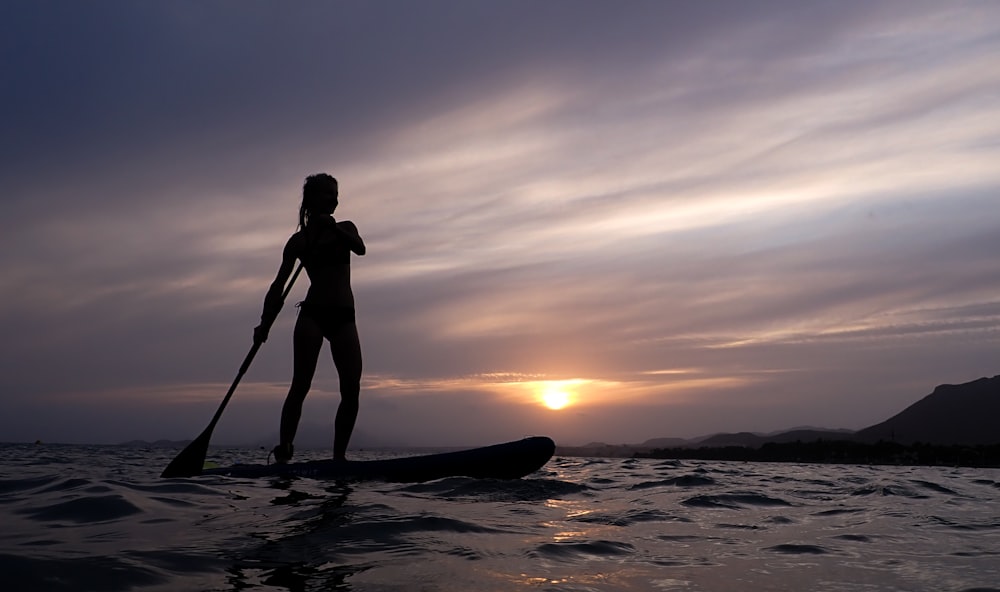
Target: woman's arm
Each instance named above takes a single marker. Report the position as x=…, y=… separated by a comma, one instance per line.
x=273, y=300
x=349, y=232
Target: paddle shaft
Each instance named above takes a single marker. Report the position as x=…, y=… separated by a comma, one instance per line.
x=191, y=459
x=249, y=358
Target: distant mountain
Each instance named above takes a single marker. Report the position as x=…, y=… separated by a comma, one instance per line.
x=752, y=440
x=664, y=443
x=953, y=414
x=747, y=439
x=963, y=414
x=827, y=431
x=723, y=440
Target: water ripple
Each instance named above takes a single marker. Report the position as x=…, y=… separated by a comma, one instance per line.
x=583, y=550
x=934, y=487
x=75, y=574
x=9, y=486
x=793, y=549
x=887, y=490
x=681, y=481
x=82, y=510
x=734, y=500
x=492, y=490
x=628, y=518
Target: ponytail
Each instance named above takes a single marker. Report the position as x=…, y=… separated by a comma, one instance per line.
x=314, y=185
x=303, y=215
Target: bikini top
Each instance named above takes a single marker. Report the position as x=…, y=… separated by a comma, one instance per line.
x=326, y=249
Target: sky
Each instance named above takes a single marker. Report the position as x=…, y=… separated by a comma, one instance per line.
x=669, y=218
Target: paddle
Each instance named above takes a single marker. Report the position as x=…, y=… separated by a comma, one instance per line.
x=191, y=460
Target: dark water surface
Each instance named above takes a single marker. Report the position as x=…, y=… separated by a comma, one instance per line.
x=93, y=518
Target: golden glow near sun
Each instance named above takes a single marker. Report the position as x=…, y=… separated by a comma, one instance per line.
x=556, y=394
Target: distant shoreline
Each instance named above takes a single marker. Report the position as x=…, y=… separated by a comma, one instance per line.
x=843, y=452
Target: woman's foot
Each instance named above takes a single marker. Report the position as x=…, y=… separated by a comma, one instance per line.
x=283, y=453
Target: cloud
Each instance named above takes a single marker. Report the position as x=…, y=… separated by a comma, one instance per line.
x=567, y=190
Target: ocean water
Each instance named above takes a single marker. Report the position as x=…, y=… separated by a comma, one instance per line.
x=100, y=519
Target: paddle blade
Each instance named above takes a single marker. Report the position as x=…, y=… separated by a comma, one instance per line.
x=190, y=460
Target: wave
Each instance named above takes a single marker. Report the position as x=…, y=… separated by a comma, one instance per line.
x=577, y=551
x=629, y=517
x=681, y=481
x=798, y=549
x=734, y=500
x=104, y=508
x=496, y=490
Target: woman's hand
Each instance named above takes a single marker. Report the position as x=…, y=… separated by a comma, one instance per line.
x=349, y=232
x=260, y=334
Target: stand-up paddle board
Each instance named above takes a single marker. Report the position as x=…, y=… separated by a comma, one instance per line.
x=511, y=460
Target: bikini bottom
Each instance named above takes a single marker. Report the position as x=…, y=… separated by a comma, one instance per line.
x=331, y=319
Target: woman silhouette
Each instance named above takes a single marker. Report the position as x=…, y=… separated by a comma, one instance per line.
x=324, y=246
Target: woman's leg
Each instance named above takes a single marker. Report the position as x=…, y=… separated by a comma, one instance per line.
x=346, y=350
x=307, y=340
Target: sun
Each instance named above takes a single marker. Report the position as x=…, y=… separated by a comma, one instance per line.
x=554, y=395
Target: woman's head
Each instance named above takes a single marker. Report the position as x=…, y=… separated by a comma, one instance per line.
x=319, y=197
